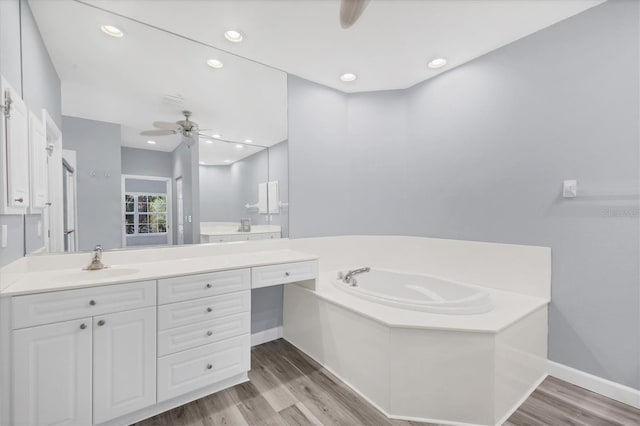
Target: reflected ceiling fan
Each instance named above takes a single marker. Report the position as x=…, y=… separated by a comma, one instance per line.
x=187, y=128
x=350, y=11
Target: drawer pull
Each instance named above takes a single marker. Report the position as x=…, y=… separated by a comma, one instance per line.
x=209, y=310
x=286, y=274
x=101, y=323
x=209, y=285
x=209, y=366
x=19, y=200
x=83, y=326
x=209, y=333
x=92, y=302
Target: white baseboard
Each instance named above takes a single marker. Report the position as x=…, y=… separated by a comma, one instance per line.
x=613, y=390
x=265, y=336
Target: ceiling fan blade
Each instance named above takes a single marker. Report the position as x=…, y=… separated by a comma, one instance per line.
x=158, y=132
x=166, y=125
x=350, y=11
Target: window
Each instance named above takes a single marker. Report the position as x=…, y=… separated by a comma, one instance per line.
x=145, y=213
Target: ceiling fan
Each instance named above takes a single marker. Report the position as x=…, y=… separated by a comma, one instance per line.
x=350, y=11
x=187, y=128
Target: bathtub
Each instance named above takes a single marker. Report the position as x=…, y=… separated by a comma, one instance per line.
x=417, y=292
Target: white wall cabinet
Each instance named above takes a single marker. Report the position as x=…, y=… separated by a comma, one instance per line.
x=52, y=374
x=14, y=133
x=37, y=164
x=124, y=363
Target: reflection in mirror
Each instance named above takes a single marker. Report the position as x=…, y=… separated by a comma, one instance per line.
x=169, y=141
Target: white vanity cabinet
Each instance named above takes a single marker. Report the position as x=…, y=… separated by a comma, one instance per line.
x=52, y=370
x=85, y=370
x=124, y=363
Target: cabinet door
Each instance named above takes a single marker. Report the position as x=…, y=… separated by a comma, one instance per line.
x=37, y=163
x=124, y=363
x=16, y=150
x=52, y=374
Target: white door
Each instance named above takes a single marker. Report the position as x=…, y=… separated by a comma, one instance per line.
x=124, y=363
x=180, y=201
x=52, y=374
x=37, y=164
x=54, y=213
x=17, y=151
x=69, y=201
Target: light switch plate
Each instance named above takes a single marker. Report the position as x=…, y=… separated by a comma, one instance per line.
x=570, y=189
x=4, y=230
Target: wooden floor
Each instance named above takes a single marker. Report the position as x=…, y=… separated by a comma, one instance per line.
x=289, y=388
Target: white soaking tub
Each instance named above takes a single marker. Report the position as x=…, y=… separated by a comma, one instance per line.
x=417, y=292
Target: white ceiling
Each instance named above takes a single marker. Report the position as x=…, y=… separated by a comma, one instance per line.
x=388, y=48
x=123, y=80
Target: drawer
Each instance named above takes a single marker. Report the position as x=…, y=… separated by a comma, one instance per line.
x=55, y=306
x=208, y=308
x=193, y=369
x=203, y=333
x=264, y=276
x=202, y=285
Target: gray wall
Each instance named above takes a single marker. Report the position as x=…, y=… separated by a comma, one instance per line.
x=279, y=171
x=480, y=153
x=225, y=190
x=185, y=165
x=146, y=162
x=97, y=146
x=29, y=69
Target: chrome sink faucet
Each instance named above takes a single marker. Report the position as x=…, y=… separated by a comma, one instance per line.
x=96, y=262
x=348, y=277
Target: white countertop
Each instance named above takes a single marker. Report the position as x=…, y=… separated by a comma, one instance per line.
x=508, y=308
x=65, y=279
x=210, y=229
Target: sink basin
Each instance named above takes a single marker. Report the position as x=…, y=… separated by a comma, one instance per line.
x=101, y=274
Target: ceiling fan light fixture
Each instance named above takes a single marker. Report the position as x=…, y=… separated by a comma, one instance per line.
x=348, y=77
x=234, y=36
x=437, y=63
x=215, y=63
x=112, y=31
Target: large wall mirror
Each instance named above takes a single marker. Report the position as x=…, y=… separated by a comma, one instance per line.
x=164, y=141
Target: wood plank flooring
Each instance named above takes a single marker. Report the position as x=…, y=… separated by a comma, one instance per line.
x=289, y=388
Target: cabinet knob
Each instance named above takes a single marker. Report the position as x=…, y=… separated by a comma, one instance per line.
x=18, y=200
x=83, y=326
x=286, y=274
x=208, y=285
x=209, y=310
x=209, y=333
x=92, y=302
x=209, y=366
x=101, y=323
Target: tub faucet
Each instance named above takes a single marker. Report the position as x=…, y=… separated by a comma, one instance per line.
x=96, y=262
x=349, y=275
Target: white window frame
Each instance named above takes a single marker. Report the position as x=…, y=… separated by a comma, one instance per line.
x=168, y=184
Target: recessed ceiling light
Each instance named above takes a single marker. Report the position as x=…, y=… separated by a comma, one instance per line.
x=227, y=161
x=215, y=63
x=233, y=36
x=112, y=31
x=248, y=141
x=151, y=142
x=208, y=141
x=202, y=163
x=348, y=77
x=239, y=146
x=437, y=63
x=216, y=136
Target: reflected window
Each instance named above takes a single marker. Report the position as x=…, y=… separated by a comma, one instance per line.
x=145, y=214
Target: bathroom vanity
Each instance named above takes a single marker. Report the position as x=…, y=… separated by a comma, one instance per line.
x=121, y=344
